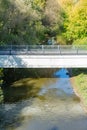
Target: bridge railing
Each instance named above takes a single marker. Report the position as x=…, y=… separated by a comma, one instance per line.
x=43, y=49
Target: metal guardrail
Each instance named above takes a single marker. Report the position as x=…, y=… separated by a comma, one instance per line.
x=43, y=49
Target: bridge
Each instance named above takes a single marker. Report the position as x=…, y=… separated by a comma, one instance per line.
x=43, y=56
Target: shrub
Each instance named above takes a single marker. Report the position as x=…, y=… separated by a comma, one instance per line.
x=81, y=41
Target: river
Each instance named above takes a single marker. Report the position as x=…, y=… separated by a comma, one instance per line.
x=54, y=107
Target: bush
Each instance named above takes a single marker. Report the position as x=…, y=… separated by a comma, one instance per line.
x=81, y=41
x=61, y=40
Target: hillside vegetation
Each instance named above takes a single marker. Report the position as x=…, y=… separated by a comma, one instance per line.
x=36, y=21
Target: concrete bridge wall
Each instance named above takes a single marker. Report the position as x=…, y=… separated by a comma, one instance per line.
x=43, y=61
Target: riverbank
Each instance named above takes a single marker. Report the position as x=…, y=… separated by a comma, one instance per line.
x=79, y=83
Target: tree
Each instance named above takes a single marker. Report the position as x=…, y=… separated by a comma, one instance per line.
x=53, y=16
x=76, y=26
x=20, y=23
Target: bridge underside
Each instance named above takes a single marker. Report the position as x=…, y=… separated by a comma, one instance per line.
x=43, y=61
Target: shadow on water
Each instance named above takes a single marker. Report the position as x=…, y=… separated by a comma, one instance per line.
x=22, y=83
x=9, y=114
x=26, y=88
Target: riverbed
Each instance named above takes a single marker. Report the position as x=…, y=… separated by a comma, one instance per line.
x=54, y=107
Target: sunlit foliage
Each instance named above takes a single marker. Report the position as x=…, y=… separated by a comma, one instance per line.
x=76, y=26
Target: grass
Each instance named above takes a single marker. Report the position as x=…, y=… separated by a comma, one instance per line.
x=79, y=81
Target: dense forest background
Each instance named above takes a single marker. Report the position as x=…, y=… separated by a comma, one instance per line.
x=37, y=21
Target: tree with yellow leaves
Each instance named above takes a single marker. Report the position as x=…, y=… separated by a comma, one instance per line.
x=76, y=26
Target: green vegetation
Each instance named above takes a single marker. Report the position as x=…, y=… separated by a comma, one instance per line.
x=80, y=84
x=36, y=21
x=29, y=21
x=77, y=23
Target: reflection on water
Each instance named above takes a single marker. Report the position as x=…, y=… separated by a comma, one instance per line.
x=48, y=104
x=62, y=73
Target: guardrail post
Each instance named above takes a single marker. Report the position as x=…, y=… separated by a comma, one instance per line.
x=43, y=48
x=59, y=49
x=77, y=50
x=10, y=50
x=26, y=49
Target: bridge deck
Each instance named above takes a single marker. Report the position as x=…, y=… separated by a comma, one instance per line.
x=43, y=61
x=43, y=56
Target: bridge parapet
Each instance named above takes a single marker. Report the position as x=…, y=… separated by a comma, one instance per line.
x=43, y=49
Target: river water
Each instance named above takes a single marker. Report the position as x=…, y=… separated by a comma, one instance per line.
x=54, y=107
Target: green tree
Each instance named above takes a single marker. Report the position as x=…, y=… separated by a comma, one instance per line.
x=76, y=25
x=20, y=23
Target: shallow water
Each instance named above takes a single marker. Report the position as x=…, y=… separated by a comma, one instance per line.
x=54, y=107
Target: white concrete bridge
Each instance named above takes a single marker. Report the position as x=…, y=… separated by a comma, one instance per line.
x=43, y=56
